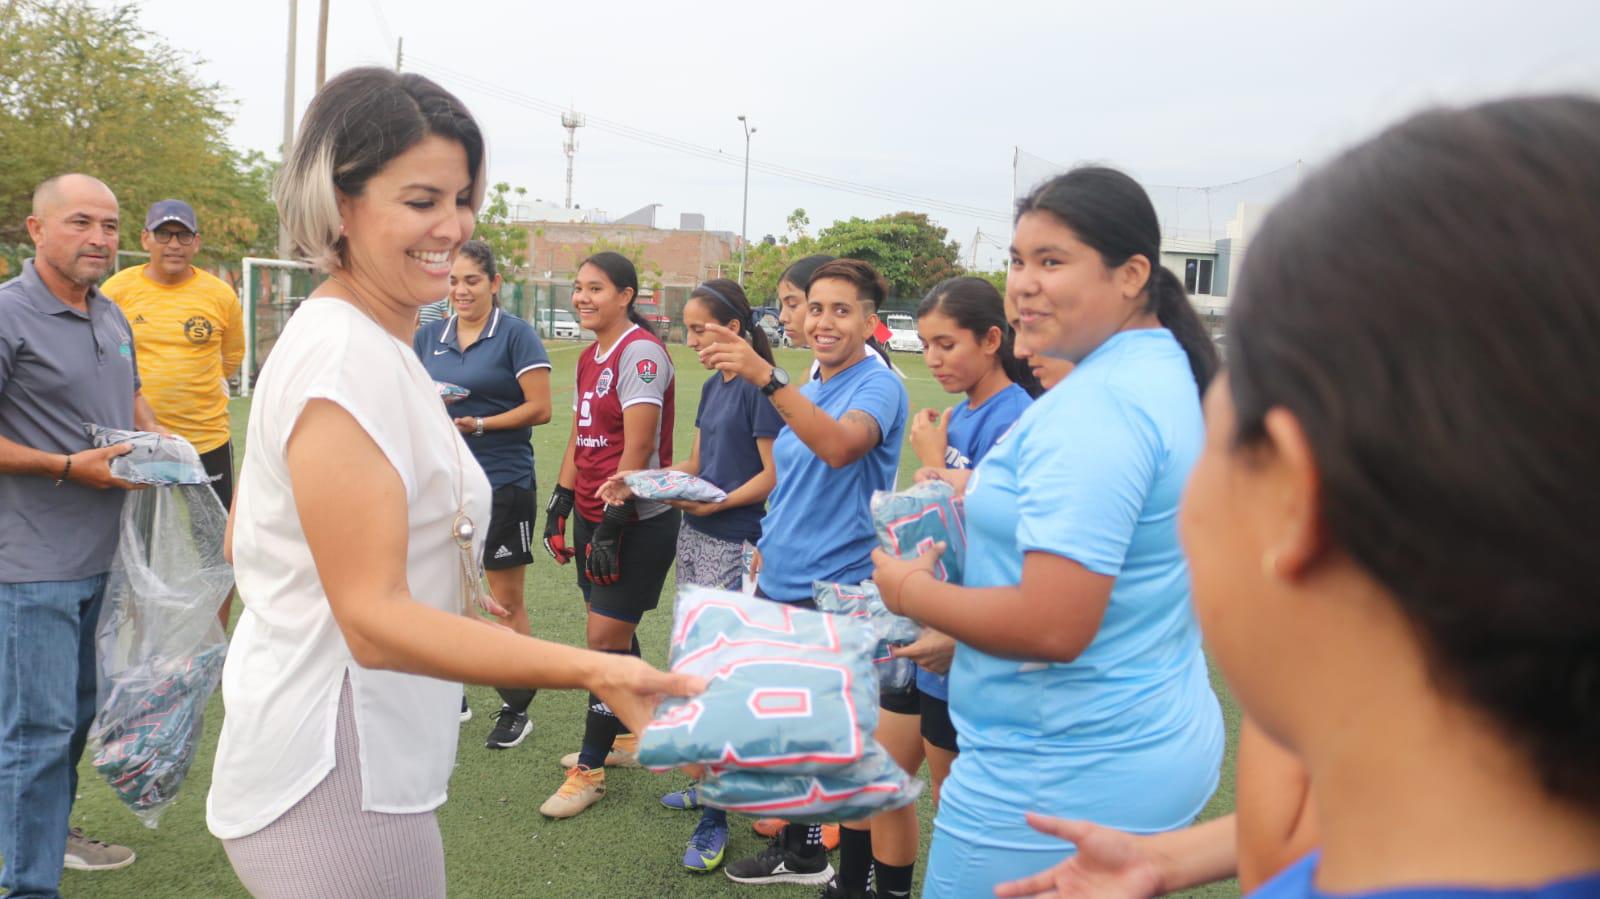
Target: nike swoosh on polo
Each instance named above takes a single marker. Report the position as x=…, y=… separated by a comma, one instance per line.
x=440, y=352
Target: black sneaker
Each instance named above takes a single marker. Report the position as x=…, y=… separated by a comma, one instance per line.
x=834, y=891
x=510, y=728
x=776, y=864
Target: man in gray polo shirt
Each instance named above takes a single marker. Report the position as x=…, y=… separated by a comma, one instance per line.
x=66, y=358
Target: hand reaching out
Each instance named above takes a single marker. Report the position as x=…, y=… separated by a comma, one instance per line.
x=1109, y=864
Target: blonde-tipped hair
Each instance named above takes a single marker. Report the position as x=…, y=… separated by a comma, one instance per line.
x=355, y=125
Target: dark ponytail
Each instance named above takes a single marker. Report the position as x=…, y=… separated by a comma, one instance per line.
x=620, y=272
x=726, y=302
x=483, y=255
x=1111, y=213
x=975, y=305
x=1170, y=302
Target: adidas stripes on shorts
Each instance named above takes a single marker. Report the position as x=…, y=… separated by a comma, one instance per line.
x=510, y=537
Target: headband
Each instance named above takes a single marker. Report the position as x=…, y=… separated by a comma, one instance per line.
x=748, y=321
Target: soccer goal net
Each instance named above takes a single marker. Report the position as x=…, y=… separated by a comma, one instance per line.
x=272, y=290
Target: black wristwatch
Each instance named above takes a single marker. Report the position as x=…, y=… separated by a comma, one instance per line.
x=780, y=380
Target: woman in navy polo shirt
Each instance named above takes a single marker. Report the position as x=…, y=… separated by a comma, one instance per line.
x=841, y=441
x=501, y=361
x=734, y=430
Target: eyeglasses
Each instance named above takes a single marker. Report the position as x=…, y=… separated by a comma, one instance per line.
x=184, y=237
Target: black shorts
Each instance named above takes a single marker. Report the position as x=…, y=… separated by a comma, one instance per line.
x=649, y=548
x=934, y=712
x=937, y=728
x=905, y=700
x=510, y=539
x=220, y=462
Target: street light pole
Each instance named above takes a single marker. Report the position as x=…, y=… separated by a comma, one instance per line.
x=744, y=220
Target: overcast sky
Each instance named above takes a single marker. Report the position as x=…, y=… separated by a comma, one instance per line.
x=925, y=99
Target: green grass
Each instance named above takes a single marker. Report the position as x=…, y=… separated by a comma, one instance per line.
x=496, y=842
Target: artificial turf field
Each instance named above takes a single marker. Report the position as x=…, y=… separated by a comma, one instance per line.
x=496, y=842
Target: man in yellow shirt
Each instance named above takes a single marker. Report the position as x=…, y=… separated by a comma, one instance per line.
x=188, y=331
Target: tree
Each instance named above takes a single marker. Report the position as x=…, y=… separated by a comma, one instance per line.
x=910, y=251
x=765, y=261
x=508, y=241
x=649, y=271
x=85, y=88
x=998, y=279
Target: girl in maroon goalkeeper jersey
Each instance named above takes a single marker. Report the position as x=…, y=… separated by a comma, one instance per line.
x=622, y=420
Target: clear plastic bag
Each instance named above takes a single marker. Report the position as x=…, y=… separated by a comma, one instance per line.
x=860, y=790
x=451, y=393
x=662, y=484
x=788, y=716
x=913, y=520
x=156, y=459
x=863, y=602
x=747, y=558
x=160, y=645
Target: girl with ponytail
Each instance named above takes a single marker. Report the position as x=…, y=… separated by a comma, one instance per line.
x=1079, y=668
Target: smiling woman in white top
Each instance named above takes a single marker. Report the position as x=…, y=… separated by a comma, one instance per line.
x=358, y=528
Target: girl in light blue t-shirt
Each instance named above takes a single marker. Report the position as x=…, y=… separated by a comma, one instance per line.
x=1078, y=685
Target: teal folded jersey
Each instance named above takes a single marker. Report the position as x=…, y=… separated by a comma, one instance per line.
x=872, y=785
x=451, y=393
x=864, y=603
x=148, y=731
x=663, y=484
x=911, y=521
x=789, y=689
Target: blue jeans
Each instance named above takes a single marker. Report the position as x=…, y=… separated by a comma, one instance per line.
x=47, y=701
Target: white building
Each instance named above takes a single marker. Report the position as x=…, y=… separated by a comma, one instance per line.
x=1209, y=268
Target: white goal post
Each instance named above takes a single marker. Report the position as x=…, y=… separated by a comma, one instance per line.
x=264, y=320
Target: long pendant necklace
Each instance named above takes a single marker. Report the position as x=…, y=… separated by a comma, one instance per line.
x=474, y=587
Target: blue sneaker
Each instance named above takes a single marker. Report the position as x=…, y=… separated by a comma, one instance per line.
x=706, y=845
x=683, y=800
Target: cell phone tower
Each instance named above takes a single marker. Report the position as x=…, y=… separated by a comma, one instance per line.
x=572, y=121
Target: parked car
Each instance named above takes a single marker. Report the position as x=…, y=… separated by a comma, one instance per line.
x=647, y=306
x=767, y=320
x=560, y=324
x=903, y=337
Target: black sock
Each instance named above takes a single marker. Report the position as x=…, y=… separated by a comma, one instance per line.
x=855, y=859
x=632, y=650
x=517, y=700
x=894, y=881
x=600, y=727
x=803, y=839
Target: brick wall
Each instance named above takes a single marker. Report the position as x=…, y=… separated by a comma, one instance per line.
x=685, y=257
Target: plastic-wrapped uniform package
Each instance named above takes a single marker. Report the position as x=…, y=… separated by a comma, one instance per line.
x=156, y=459
x=663, y=484
x=148, y=727
x=862, y=601
x=911, y=521
x=788, y=713
x=159, y=643
x=451, y=393
x=863, y=789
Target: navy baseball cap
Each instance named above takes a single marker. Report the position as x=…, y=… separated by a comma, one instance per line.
x=164, y=211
